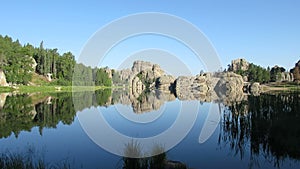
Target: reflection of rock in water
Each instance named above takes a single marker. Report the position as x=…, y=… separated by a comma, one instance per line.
x=221, y=87
x=226, y=87
x=145, y=102
x=3, y=99
x=151, y=101
x=145, y=78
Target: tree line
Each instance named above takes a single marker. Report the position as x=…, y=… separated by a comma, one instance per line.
x=256, y=73
x=19, y=62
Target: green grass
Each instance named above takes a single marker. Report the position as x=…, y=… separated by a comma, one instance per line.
x=52, y=89
x=39, y=80
x=4, y=89
x=281, y=87
x=40, y=84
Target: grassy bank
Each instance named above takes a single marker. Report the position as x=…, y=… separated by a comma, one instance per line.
x=4, y=89
x=51, y=89
x=281, y=86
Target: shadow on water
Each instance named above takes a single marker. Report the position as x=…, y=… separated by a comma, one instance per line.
x=267, y=125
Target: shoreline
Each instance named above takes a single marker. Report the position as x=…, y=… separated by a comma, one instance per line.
x=53, y=89
x=265, y=88
x=279, y=87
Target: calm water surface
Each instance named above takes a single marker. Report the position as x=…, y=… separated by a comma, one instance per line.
x=256, y=132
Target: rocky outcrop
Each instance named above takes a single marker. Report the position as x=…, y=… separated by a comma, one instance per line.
x=151, y=101
x=2, y=79
x=208, y=87
x=296, y=72
x=286, y=77
x=229, y=86
x=148, y=70
x=3, y=99
x=191, y=88
x=49, y=77
x=239, y=64
x=34, y=64
x=226, y=87
x=165, y=82
x=278, y=74
x=144, y=76
x=139, y=66
x=137, y=87
x=125, y=75
x=255, y=89
x=108, y=71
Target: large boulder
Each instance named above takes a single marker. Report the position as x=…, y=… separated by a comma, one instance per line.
x=208, y=87
x=193, y=87
x=137, y=87
x=2, y=79
x=3, y=99
x=108, y=71
x=149, y=70
x=255, y=88
x=286, y=77
x=229, y=85
x=239, y=64
x=34, y=64
x=165, y=82
x=139, y=66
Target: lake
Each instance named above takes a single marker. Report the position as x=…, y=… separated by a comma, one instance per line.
x=77, y=129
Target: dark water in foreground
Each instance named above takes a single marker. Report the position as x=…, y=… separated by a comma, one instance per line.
x=255, y=132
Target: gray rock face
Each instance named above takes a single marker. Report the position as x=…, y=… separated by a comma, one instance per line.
x=226, y=87
x=255, y=89
x=195, y=87
x=139, y=66
x=286, y=77
x=165, y=82
x=34, y=64
x=149, y=70
x=239, y=64
x=151, y=101
x=126, y=74
x=108, y=71
x=137, y=87
x=2, y=79
x=208, y=88
x=3, y=99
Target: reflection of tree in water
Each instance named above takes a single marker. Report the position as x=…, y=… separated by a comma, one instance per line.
x=269, y=124
x=23, y=112
x=15, y=115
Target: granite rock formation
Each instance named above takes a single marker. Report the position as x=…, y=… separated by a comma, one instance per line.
x=255, y=89
x=2, y=79
x=150, y=87
x=165, y=82
x=286, y=77
x=210, y=87
x=239, y=64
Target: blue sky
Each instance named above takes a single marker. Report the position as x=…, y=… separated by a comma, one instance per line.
x=263, y=32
